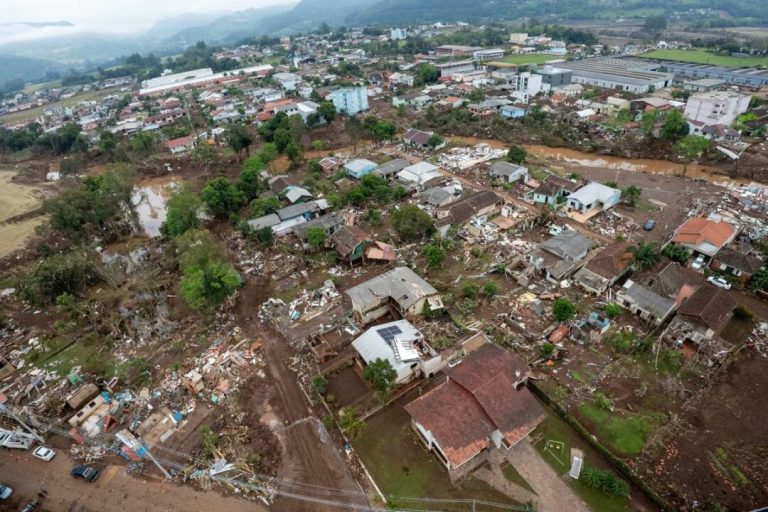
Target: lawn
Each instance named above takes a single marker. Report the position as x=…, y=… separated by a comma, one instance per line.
x=624, y=433
x=529, y=58
x=554, y=429
x=705, y=57
x=402, y=468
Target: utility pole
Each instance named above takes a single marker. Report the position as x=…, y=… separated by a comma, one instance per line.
x=128, y=439
x=9, y=412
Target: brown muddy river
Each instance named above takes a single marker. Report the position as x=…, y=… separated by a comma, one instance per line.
x=573, y=159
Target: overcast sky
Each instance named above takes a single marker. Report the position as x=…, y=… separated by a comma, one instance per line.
x=122, y=16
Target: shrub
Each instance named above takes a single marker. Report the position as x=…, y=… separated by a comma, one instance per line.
x=563, y=310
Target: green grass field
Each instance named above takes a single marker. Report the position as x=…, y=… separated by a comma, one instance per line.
x=530, y=58
x=625, y=433
x=705, y=57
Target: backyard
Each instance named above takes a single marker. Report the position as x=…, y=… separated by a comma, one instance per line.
x=706, y=57
x=402, y=468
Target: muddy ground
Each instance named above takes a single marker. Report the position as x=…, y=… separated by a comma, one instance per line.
x=719, y=454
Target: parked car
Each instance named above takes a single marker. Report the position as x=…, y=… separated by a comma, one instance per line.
x=698, y=262
x=649, y=224
x=5, y=492
x=87, y=473
x=719, y=281
x=43, y=453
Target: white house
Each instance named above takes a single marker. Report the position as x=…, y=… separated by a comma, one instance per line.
x=417, y=175
x=287, y=81
x=714, y=107
x=403, y=346
x=594, y=196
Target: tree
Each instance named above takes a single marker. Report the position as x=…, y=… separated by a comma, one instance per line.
x=204, y=287
x=182, y=213
x=427, y=74
x=435, y=141
x=675, y=252
x=222, y=197
x=239, y=139
x=267, y=153
x=143, y=143
x=265, y=236
x=759, y=280
x=435, y=255
x=675, y=126
x=412, y=223
x=350, y=422
x=631, y=194
x=249, y=182
x=315, y=237
x=563, y=310
x=516, y=154
x=107, y=142
x=655, y=24
x=645, y=255
x=294, y=153
x=381, y=375
x=648, y=122
x=265, y=206
x=69, y=272
x=327, y=111
x=691, y=147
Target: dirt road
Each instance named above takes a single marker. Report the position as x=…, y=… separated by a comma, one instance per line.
x=307, y=456
x=114, y=490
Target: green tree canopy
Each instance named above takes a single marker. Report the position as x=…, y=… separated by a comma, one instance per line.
x=222, y=197
x=412, y=223
x=381, y=375
x=239, y=139
x=691, y=147
x=631, y=194
x=435, y=255
x=516, y=154
x=182, y=213
x=315, y=236
x=645, y=255
x=563, y=309
x=675, y=126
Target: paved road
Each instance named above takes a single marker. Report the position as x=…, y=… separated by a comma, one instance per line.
x=115, y=489
x=554, y=495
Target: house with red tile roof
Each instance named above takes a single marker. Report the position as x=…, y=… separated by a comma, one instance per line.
x=482, y=404
x=704, y=236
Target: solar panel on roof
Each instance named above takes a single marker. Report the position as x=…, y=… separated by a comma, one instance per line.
x=388, y=333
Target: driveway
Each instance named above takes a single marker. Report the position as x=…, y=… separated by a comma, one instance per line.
x=554, y=494
x=114, y=490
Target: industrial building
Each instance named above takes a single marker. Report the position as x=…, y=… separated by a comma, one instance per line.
x=460, y=66
x=683, y=71
x=622, y=75
x=198, y=78
x=554, y=76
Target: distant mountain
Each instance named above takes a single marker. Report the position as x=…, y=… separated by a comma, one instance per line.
x=39, y=24
x=13, y=67
x=310, y=14
x=169, y=27
x=228, y=28
x=76, y=49
x=387, y=12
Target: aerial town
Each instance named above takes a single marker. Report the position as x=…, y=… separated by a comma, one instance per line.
x=444, y=266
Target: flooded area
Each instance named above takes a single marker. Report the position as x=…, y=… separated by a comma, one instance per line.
x=150, y=199
x=572, y=159
x=579, y=159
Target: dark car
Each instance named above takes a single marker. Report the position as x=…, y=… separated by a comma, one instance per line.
x=87, y=473
x=649, y=224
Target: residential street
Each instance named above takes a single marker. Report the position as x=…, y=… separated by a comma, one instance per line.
x=114, y=490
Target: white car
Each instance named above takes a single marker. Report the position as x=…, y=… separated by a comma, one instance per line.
x=698, y=262
x=43, y=453
x=5, y=492
x=719, y=281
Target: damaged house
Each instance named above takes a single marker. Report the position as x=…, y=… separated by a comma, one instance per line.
x=350, y=242
x=399, y=291
x=482, y=404
x=560, y=256
x=403, y=346
x=701, y=317
x=605, y=268
x=645, y=303
x=482, y=204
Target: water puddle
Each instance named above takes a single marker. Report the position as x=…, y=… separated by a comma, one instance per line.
x=149, y=201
